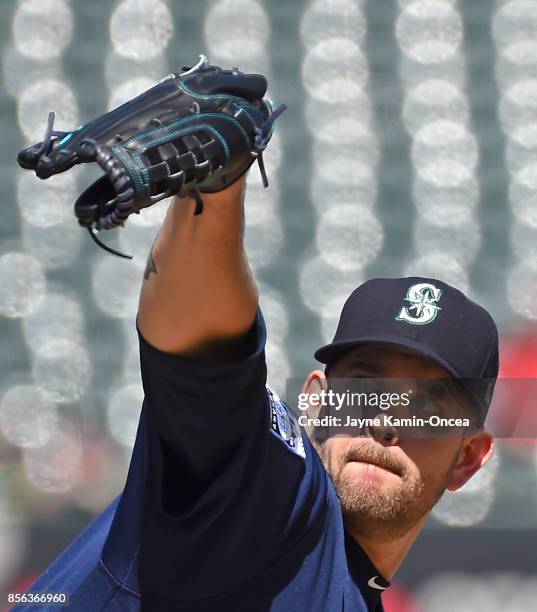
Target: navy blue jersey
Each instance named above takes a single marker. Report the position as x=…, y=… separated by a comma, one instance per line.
x=227, y=506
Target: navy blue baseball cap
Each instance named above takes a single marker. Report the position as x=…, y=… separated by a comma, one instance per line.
x=427, y=316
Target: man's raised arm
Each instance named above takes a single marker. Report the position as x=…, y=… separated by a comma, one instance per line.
x=198, y=294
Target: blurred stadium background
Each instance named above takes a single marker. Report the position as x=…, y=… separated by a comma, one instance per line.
x=409, y=147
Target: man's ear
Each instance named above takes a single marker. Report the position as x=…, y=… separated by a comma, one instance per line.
x=475, y=452
x=315, y=382
x=310, y=395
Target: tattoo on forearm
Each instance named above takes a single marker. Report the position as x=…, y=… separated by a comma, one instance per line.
x=150, y=267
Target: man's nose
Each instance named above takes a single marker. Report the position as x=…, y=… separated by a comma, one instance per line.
x=384, y=432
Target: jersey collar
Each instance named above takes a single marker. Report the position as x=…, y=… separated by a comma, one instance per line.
x=365, y=574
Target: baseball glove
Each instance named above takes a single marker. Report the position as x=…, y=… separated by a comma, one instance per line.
x=195, y=131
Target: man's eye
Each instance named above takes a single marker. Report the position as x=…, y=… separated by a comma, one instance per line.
x=438, y=393
x=426, y=407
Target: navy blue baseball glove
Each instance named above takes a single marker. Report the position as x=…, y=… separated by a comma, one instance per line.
x=195, y=131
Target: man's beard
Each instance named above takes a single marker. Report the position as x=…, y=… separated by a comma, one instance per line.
x=384, y=512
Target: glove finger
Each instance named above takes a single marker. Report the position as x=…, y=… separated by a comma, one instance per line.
x=48, y=157
x=58, y=160
x=28, y=158
x=102, y=205
x=95, y=202
x=251, y=87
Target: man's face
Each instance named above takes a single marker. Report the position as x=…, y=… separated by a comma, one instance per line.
x=387, y=484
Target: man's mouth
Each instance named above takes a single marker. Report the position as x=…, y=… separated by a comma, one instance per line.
x=377, y=464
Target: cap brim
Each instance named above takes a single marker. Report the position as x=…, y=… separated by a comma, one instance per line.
x=330, y=353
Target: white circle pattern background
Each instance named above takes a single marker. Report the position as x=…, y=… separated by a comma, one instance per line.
x=514, y=29
x=335, y=74
x=444, y=150
x=42, y=28
x=141, y=29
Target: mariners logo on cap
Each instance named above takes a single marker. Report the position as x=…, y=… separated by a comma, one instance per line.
x=423, y=308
